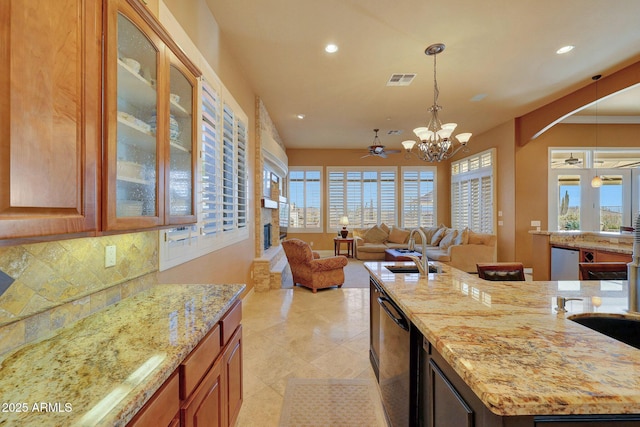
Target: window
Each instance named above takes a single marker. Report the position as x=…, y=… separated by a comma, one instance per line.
x=575, y=205
x=210, y=196
x=472, y=190
x=418, y=197
x=367, y=196
x=222, y=198
x=305, y=194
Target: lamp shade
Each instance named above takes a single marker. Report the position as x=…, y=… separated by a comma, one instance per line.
x=344, y=220
x=596, y=182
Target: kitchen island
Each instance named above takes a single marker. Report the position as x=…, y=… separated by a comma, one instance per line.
x=101, y=370
x=504, y=345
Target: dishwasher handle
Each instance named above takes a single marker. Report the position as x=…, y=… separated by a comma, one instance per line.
x=400, y=320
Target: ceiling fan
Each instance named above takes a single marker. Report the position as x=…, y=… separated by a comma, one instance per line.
x=377, y=149
x=572, y=160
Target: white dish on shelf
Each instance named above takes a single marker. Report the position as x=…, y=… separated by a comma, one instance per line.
x=132, y=64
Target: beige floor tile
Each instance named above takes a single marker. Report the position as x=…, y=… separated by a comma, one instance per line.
x=262, y=409
x=293, y=333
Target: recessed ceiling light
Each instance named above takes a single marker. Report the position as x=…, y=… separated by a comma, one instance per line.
x=565, y=49
x=300, y=116
x=331, y=48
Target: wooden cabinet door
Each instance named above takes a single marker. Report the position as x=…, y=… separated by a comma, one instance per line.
x=205, y=407
x=447, y=407
x=181, y=151
x=135, y=126
x=233, y=376
x=162, y=408
x=50, y=116
x=604, y=256
x=151, y=92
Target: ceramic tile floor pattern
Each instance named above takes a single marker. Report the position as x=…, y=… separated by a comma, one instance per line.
x=293, y=333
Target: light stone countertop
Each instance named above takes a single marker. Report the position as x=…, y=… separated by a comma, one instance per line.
x=101, y=370
x=517, y=354
x=605, y=241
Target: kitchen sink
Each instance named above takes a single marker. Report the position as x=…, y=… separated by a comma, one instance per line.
x=408, y=269
x=624, y=329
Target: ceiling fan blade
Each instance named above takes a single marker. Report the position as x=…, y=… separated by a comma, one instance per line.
x=383, y=154
x=392, y=151
x=366, y=155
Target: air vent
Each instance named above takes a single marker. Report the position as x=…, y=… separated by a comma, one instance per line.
x=401, y=79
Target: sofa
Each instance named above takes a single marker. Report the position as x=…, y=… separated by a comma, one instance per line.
x=461, y=249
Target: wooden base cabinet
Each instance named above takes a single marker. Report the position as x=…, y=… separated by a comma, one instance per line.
x=206, y=406
x=232, y=359
x=206, y=389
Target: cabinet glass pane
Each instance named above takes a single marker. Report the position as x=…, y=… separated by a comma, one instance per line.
x=136, y=131
x=180, y=143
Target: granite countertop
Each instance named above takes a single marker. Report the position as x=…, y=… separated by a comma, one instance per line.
x=605, y=241
x=519, y=355
x=101, y=370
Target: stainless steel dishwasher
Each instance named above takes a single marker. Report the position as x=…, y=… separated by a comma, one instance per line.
x=394, y=361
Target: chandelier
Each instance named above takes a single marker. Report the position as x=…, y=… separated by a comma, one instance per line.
x=436, y=143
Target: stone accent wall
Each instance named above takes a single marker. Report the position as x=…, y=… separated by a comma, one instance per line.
x=267, y=266
x=57, y=283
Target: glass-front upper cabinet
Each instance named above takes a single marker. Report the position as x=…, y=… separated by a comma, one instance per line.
x=182, y=162
x=150, y=92
x=137, y=130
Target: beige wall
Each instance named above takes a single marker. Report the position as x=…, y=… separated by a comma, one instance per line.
x=502, y=138
x=532, y=173
x=233, y=263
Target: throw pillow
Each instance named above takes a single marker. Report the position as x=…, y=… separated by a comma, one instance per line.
x=448, y=239
x=429, y=232
x=463, y=237
x=385, y=228
x=359, y=232
x=375, y=235
x=398, y=235
x=437, y=236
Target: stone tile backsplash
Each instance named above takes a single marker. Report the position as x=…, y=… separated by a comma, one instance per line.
x=56, y=283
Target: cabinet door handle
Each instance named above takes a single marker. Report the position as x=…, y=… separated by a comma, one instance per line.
x=399, y=320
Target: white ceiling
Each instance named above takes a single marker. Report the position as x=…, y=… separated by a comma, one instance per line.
x=502, y=48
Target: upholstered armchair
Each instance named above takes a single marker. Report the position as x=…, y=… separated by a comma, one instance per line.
x=310, y=270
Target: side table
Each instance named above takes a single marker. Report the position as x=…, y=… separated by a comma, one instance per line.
x=337, y=242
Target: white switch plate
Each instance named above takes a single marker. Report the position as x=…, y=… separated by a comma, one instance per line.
x=535, y=223
x=499, y=213
x=500, y=223
x=110, y=256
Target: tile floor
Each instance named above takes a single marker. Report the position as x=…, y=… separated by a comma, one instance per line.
x=295, y=333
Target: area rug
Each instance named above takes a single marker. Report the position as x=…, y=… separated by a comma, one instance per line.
x=355, y=275
x=331, y=402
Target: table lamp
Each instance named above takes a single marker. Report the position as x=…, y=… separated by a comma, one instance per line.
x=344, y=221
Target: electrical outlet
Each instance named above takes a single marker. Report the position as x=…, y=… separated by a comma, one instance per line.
x=110, y=256
x=310, y=243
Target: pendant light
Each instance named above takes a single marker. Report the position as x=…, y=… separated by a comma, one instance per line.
x=596, y=182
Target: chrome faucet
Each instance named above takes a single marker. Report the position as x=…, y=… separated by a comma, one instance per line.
x=561, y=301
x=422, y=264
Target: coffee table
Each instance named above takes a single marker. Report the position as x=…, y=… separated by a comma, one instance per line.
x=399, y=254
